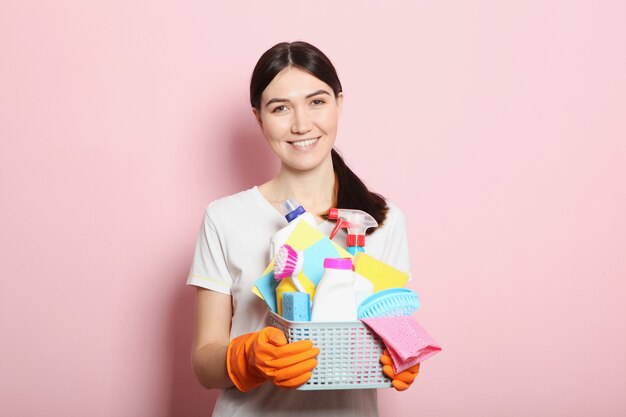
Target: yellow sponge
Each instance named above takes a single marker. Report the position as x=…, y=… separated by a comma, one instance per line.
x=383, y=276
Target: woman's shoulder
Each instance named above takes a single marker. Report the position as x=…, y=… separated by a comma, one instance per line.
x=241, y=216
x=242, y=200
x=228, y=209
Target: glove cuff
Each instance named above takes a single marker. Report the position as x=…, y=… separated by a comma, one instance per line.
x=237, y=364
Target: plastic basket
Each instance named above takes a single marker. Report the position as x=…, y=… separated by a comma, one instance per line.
x=349, y=355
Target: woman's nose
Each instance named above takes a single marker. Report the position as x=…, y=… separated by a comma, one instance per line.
x=302, y=122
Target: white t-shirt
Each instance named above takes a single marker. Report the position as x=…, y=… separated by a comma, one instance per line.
x=232, y=252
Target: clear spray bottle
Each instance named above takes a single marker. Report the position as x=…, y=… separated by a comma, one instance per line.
x=357, y=222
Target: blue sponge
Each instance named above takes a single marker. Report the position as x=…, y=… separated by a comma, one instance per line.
x=296, y=306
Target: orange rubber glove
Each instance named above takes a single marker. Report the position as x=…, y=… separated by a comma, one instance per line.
x=254, y=358
x=404, y=379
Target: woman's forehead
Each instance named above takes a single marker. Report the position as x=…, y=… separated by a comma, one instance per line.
x=293, y=83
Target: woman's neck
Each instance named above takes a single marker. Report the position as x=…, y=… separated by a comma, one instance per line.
x=313, y=189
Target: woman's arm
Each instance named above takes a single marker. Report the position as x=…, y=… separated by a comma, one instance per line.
x=212, y=335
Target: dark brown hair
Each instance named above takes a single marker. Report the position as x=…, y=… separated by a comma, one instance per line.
x=350, y=191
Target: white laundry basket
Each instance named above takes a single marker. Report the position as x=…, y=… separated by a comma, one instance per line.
x=349, y=355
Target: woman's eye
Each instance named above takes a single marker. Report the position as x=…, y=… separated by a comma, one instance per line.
x=317, y=102
x=278, y=109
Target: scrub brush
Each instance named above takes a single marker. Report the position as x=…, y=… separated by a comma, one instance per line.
x=392, y=302
x=289, y=263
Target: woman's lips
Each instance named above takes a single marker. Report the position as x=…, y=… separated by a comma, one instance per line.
x=305, y=144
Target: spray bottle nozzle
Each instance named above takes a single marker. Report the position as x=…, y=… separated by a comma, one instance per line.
x=356, y=221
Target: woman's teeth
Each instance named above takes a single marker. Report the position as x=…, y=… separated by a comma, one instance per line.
x=304, y=143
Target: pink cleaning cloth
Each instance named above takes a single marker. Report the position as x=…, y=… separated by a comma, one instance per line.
x=407, y=341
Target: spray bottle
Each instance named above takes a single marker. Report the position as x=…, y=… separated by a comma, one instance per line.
x=357, y=222
x=294, y=213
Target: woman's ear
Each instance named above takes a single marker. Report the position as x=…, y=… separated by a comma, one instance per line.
x=339, y=100
x=257, y=116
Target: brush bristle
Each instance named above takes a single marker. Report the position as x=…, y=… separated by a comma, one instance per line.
x=286, y=262
x=398, y=305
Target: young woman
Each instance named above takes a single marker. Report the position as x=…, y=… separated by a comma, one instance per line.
x=296, y=98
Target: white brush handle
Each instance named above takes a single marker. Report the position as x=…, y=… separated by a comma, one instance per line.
x=297, y=283
x=296, y=272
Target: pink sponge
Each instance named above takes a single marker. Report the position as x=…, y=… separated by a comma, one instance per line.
x=407, y=341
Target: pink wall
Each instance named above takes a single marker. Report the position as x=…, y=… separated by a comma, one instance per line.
x=499, y=129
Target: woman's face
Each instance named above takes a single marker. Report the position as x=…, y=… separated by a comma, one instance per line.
x=299, y=115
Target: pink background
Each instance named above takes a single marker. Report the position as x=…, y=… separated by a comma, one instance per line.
x=498, y=127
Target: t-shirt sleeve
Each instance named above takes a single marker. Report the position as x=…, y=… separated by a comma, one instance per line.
x=396, y=251
x=210, y=268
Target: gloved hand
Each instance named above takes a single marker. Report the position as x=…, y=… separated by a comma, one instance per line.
x=254, y=358
x=404, y=379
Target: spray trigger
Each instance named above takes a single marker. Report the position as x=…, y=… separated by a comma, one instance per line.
x=340, y=224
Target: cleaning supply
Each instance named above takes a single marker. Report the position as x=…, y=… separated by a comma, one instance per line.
x=407, y=342
x=334, y=297
x=402, y=380
x=392, y=302
x=289, y=263
x=297, y=306
x=254, y=358
x=315, y=255
x=315, y=247
x=357, y=222
x=294, y=213
x=363, y=288
x=383, y=276
x=286, y=285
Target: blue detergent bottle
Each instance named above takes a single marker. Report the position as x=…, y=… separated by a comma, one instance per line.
x=294, y=214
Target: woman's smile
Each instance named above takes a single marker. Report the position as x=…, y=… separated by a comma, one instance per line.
x=304, y=144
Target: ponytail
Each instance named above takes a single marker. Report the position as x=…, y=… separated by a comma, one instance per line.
x=351, y=192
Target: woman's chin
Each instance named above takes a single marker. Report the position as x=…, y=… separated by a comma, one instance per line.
x=303, y=164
